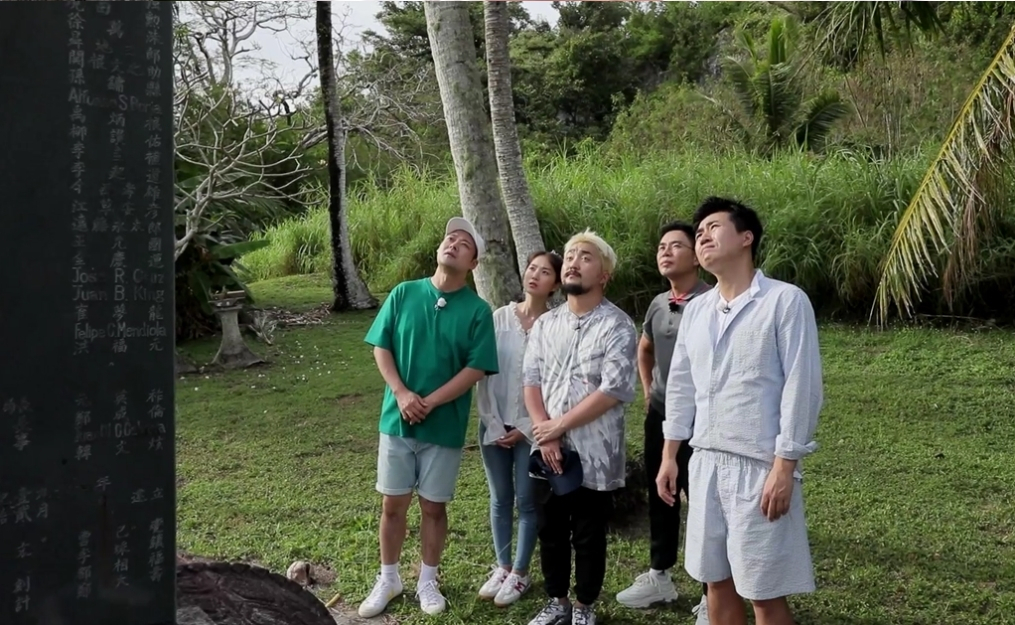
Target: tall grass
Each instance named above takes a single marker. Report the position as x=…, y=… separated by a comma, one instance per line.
x=827, y=220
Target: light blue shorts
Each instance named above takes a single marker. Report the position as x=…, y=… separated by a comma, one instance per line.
x=405, y=465
x=728, y=535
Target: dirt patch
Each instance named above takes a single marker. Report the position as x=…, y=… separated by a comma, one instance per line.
x=242, y=594
x=307, y=575
x=183, y=558
x=310, y=575
x=349, y=400
x=291, y=318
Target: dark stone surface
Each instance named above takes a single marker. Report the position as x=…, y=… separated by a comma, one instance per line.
x=240, y=594
x=87, y=467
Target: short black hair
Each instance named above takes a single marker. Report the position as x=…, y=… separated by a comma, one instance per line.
x=675, y=226
x=742, y=216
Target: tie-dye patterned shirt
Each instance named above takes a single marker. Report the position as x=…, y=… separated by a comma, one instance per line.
x=570, y=357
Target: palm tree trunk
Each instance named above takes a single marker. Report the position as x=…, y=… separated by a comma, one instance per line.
x=455, y=61
x=521, y=211
x=350, y=292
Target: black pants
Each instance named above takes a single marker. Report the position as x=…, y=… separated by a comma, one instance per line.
x=576, y=520
x=664, y=520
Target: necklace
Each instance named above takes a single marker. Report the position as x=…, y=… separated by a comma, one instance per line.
x=525, y=319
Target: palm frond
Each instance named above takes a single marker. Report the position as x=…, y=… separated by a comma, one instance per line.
x=741, y=74
x=950, y=203
x=820, y=114
x=746, y=43
x=733, y=121
x=853, y=25
x=776, y=42
x=780, y=100
x=782, y=38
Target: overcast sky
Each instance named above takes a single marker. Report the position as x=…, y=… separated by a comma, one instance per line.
x=357, y=17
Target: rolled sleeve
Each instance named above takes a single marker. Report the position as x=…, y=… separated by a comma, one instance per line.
x=619, y=357
x=680, y=400
x=802, y=393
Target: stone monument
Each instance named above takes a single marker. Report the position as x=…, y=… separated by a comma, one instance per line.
x=87, y=466
x=87, y=457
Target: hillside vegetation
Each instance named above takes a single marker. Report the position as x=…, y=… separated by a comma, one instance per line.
x=829, y=220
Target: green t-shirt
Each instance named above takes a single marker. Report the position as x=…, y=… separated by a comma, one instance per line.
x=431, y=345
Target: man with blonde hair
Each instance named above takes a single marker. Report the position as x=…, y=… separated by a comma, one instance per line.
x=579, y=374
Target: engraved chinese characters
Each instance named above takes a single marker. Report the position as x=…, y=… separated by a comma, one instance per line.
x=87, y=467
x=127, y=214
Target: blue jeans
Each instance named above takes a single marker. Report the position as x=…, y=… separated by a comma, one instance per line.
x=507, y=473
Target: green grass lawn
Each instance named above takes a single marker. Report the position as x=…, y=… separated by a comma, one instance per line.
x=909, y=498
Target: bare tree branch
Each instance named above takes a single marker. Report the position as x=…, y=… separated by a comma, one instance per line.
x=239, y=147
x=243, y=143
x=380, y=106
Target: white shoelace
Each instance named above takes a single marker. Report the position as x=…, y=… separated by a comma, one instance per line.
x=517, y=582
x=428, y=593
x=550, y=610
x=381, y=589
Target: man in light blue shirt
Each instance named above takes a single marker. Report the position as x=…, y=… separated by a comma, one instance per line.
x=744, y=390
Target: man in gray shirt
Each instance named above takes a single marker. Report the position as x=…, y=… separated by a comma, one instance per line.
x=677, y=263
x=578, y=376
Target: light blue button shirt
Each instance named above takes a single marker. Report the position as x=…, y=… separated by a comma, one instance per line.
x=746, y=375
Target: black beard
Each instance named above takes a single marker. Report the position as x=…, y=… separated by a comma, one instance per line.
x=574, y=289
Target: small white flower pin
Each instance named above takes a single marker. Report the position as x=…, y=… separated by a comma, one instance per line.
x=441, y=303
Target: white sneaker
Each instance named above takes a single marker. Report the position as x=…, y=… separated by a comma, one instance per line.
x=511, y=590
x=492, y=586
x=702, y=611
x=647, y=589
x=583, y=615
x=384, y=591
x=430, y=598
x=553, y=613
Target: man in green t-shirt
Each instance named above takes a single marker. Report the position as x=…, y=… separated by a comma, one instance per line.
x=433, y=341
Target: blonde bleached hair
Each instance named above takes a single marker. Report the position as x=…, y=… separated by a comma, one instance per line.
x=606, y=253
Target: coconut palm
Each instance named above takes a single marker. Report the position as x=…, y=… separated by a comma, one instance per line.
x=348, y=288
x=769, y=86
x=472, y=149
x=518, y=202
x=952, y=208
